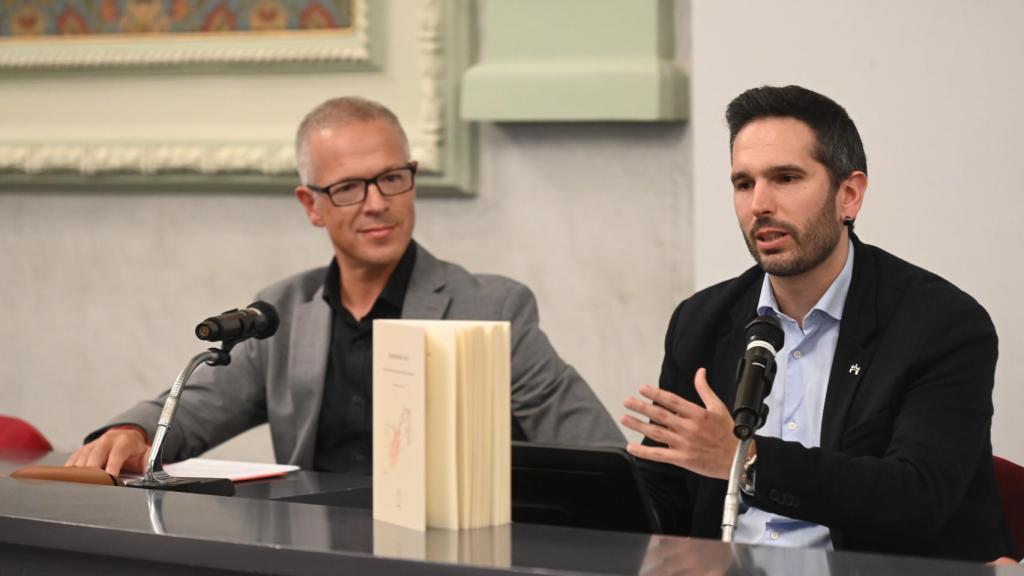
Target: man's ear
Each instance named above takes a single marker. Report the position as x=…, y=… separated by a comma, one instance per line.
x=850, y=195
x=308, y=200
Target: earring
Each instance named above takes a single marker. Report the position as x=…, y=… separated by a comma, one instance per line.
x=847, y=221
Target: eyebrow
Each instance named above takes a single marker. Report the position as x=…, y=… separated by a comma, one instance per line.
x=384, y=171
x=737, y=176
x=773, y=171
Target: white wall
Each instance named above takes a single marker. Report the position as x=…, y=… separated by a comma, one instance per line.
x=104, y=289
x=101, y=290
x=595, y=219
x=934, y=87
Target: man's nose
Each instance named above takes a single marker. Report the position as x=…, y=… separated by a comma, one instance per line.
x=762, y=199
x=375, y=201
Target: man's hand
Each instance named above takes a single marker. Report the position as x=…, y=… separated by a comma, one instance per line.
x=696, y=438
x=117, y=449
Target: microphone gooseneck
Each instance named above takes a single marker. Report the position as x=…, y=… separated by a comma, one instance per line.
x=754, y=376
x=259, y=320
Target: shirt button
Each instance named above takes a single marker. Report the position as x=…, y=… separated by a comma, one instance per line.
x=773, y=535
x=791, y=425
x=797, y=354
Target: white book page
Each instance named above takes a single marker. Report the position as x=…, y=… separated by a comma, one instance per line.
x=501, y=350
x=442, y=482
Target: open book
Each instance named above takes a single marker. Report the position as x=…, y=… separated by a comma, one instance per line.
x=441, y=423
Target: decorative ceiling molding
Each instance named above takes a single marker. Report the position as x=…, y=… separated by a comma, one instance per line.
x=92, y=158
x=76, y=58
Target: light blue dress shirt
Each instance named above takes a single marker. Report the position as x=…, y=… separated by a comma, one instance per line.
x=797, y=401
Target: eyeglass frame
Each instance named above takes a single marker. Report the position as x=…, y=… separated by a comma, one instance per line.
x=411, y=167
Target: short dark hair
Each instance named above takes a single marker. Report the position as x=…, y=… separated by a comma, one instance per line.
x=839, y=147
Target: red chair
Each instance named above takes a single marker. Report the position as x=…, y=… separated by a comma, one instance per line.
x=16, y=434
x=1010, y=478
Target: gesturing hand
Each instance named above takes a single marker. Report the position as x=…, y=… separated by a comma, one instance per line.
x=698, y=438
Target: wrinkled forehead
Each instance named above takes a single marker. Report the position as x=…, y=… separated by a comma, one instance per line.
x=355, y=150
x=356, y=134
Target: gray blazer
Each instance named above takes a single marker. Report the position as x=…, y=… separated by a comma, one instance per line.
x=280, y=380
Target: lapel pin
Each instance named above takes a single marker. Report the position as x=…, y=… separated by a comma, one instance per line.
x=855, y=369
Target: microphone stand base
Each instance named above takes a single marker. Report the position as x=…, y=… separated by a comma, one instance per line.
x=211, y=486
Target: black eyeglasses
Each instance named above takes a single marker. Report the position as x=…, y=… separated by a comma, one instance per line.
x=354, y=190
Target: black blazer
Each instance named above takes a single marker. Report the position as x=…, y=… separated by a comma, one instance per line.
x=905, y=463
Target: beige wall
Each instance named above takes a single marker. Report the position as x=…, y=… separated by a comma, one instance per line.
x=103, y=289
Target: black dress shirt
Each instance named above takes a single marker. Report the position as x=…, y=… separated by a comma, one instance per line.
x=344, y=437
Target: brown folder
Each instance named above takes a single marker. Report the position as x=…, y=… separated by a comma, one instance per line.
x=83, y=474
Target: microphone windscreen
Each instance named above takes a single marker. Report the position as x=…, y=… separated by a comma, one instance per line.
x=268, y=327
x=765, y=328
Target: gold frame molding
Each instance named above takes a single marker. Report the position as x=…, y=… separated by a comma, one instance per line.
x=351, y=46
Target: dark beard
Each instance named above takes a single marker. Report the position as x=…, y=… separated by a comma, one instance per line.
x=814, y=245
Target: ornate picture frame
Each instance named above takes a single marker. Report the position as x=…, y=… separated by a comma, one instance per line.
x=69, y=35
x=218, y=113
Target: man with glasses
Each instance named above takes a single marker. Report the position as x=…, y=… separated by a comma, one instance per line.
x=312, y=380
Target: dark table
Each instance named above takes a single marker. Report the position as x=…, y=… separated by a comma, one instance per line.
x=54, y=527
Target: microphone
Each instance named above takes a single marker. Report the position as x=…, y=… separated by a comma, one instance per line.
x=764, y=338
x=259, y=320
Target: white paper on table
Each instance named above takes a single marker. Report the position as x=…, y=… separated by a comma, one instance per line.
x=233, y=470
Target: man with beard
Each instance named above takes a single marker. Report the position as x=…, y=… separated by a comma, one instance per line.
x=877, y=435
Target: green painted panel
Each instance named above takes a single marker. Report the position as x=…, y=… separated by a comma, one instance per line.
x=576, y=90
x=546, y=29
x=576, y=60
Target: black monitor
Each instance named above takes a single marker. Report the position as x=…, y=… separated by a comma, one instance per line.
x=553, y=484
x=596, y=488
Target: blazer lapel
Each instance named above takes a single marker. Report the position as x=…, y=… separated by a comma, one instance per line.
x=310, y=341
x=424, y=299
x=730, y=347
x=853, y=349
x=307, y=368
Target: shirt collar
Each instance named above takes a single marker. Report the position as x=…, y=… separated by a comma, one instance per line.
x=831, y=302
x=394, y=291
